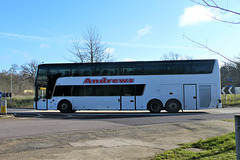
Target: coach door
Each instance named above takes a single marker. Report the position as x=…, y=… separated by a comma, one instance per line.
x=128, y=97
x=190, y=97
x=41, y=99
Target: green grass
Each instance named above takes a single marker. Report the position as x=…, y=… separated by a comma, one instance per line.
x=216, y=148
x=228, y=120
x=230, y=100
x=20, y=101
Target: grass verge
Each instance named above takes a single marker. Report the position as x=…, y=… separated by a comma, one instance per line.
x=229, y=120
x=20, y=102
x=219, y=148
x=230, y=100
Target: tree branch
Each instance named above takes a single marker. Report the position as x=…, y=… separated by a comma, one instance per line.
x=209, y=49
x=224, y=21
x=206, y=4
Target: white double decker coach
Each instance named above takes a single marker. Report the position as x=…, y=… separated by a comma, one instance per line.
x=143, y=85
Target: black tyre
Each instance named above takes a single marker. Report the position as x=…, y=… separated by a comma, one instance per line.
x=154, y=106
x=73, y=111
x=173, y=106
x=65, y=107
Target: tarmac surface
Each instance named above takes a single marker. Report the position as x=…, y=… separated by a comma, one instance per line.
x=115, y=140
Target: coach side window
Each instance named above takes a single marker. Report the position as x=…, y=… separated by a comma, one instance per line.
x=178, y=68
x=128, y=90
x=78, y=91
x=83, y=70
x=62, y=91
x=58, y=71
x=139, y=89
x=202, y=67
x=154, y=68
x=132, y=69
x=107, y=69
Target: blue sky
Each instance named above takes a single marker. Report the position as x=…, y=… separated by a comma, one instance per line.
x=43, y=30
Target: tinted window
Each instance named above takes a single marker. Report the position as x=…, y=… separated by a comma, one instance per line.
x=128, y=90
x=108, y=90
x=78, y=91
x=42, y=76
x=178, y=68
x=202, y=67
x=59, y=71
x=89, y=91
x=42, y=73
x=154, y=68
x=107, y=69
x=83, y=70
x=139, y=89
x=62, y=91
x=100, y=90
x=131, y=69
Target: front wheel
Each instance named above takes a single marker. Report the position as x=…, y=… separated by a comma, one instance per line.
x=65, y=107
x=173, y=106
x=154, y=106
x=73, y=111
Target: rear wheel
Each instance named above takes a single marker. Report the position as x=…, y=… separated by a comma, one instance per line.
x=65, y=107
x=154, y=106
x=173, y=106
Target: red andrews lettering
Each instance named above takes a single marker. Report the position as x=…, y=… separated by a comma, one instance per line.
x=106, y=80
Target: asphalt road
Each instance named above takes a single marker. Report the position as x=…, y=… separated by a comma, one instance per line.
x=30, y=122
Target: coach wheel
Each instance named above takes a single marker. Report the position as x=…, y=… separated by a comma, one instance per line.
x=154, y=106
x=173, y=106
x=65, y=107
x=73, y=111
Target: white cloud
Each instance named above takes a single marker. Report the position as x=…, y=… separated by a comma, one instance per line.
x=44, y=46
x=144, y=31
x=110, y=51
x=195, y=15
x=23, y=36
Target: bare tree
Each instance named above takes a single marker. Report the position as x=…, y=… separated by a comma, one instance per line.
x=29, y=70
x=14, y=68
x=90, y=49
x=174, y=56
x=213, y=4
x=17, y=79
